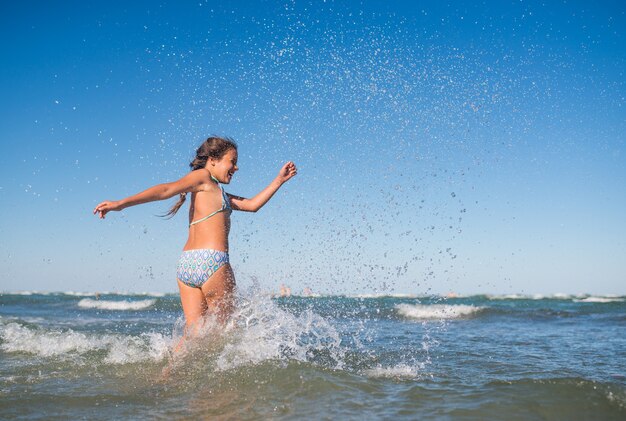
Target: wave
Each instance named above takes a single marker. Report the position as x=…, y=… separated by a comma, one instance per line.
x=115, y=305
x=76, y=293
x=557, y=296
x=89, y=294
x=509, y=297
x=278, y=337
x=600, y=300
x=120, y=349
x=383, y=295
x=134, y=294
x=437, y=311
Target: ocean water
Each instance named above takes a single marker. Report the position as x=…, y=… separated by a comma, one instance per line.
x=82, y=356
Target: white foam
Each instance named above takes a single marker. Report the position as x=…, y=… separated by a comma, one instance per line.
x=437, y=311
x=130, y=349
x=121, y=349
x=115, y=305
x=600, y=300
x=400, y=371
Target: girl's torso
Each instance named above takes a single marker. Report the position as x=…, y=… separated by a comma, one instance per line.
x=209, y=219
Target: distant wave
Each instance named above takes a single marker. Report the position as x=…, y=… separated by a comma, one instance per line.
x=134, y=294
x=509, y=297
x=70, y=293
x=398, y=295
x=19, y=293
x=115, y=305
x=600, y=300
x=557, y=296
x=77, y=293
x=437, y=311
x=88, y=294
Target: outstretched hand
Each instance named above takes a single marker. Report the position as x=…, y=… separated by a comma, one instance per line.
x=287, y=172
x=105, y=207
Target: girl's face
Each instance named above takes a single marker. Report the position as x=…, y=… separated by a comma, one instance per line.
x=224, y=168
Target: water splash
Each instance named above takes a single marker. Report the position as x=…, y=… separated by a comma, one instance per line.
x=260, y=332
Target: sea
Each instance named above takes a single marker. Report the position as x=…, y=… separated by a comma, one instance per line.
x=71, y=355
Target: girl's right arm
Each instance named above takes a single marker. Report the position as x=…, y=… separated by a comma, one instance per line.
x=189, y=183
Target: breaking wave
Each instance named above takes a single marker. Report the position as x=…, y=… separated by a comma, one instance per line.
x=437, y=311
x=118, y=348
x=115, y=305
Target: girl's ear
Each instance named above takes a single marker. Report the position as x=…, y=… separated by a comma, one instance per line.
x=211, y=161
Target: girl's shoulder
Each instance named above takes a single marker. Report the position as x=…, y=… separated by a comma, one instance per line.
x=206, y=184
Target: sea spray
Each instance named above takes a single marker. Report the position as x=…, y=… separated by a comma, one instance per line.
x=267, y=332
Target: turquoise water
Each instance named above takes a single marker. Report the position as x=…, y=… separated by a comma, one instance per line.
x=71, y=356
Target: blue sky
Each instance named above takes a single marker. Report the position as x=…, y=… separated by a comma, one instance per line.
x=441, y=146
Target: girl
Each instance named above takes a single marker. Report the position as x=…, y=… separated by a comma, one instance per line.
x=205, y=278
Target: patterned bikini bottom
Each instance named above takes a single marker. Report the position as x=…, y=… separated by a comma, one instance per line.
x=195, y=267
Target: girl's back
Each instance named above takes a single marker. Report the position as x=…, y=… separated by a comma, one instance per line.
x=209, y=219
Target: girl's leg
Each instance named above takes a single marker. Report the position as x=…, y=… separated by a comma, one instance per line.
x=194, y=307
x=219, y=292
x=216, y=297
x=192, y=300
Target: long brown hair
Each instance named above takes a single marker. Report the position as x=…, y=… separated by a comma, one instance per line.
x=214, y=147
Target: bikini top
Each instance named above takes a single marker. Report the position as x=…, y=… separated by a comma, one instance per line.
x=225, y=205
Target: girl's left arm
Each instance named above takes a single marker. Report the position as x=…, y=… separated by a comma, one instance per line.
x=254, y=204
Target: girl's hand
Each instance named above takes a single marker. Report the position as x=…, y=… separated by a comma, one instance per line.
x=287, y=171
x=106, y=206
